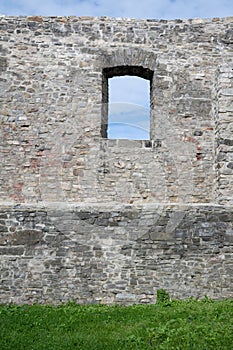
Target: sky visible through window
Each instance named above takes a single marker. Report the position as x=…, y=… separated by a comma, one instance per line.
x=129, y=108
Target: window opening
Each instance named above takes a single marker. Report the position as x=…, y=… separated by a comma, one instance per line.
x=126, y=103
x=129, y=108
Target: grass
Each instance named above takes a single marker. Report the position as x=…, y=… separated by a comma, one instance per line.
x=167, y=325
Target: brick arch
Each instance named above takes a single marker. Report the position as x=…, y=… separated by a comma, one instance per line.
x=129, y=57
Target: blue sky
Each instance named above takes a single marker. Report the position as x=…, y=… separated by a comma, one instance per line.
x=129, y=108
x=136, y=108
x=166, y=9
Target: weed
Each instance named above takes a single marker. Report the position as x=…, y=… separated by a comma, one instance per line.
x=163, y=297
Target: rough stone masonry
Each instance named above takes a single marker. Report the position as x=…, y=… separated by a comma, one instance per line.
x=92, y=219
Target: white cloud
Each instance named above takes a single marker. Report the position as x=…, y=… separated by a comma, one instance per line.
x=128, y=121
x=167, y=9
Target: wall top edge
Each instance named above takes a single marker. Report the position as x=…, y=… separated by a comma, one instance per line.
x=73, y=19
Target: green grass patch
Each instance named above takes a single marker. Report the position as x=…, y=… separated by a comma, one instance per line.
x=167, y=325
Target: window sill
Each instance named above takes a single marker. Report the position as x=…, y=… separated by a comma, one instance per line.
x=131, y=143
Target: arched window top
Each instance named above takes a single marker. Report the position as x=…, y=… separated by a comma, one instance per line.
x=138, y=71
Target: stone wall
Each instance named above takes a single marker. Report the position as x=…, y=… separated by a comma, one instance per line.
x=119, y=254
x=51, y=102
x=104, y=220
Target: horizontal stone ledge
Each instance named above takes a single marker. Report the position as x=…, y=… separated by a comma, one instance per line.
x=45, y=206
